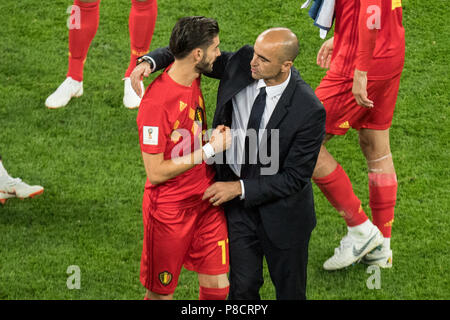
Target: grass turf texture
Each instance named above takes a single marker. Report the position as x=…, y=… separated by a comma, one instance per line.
x=87, y=155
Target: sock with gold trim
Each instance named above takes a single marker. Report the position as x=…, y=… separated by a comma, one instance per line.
x=382, y=199
x=338, y=189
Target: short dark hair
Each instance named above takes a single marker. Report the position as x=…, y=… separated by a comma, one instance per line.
x=190, y=33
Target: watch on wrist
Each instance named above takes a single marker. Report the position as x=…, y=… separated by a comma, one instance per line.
x=144, y=59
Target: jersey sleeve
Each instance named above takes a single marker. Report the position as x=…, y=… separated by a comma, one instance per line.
x=368, y=26
x=154, y=127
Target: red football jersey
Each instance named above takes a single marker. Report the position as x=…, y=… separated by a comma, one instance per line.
x=369, y=36
x=172, y=121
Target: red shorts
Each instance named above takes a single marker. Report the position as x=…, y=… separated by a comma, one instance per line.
x=195, y=236
x=343, y=112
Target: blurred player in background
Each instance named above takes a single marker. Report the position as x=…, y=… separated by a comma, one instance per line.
x=365, y=57
x=179, y=227
x=15, y=187
x=82, y=29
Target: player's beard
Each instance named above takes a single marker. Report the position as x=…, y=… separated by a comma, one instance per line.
x=204, y=66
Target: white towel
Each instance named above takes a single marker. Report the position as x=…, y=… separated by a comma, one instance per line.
x=306, y=4
x=323, y=17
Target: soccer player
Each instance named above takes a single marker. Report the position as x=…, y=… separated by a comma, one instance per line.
x=365, y=57
x=179, y=227
x=15, y=187
x=82, y=29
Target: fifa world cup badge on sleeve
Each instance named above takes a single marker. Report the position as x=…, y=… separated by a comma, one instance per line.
x=150, y=135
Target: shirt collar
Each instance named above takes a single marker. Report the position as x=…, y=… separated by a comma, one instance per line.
x=273, y=91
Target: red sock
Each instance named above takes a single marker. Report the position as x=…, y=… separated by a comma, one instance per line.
x=383, y=195
x=81, y=35
x=141, y=25
x=338, y=189
x=213, y=293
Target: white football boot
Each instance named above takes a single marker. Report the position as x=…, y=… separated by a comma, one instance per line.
x=5, y=196
x=67, y=90
x=16, y=188
x=130, y=99
x=380, y=256
x=353, y=247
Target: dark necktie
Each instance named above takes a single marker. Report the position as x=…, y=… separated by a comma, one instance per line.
x=254, y=122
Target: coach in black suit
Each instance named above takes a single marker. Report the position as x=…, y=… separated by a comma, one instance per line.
x=269, y=204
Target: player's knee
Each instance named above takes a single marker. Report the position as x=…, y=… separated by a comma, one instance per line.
x=322, y=157
x=320, y=164
x=213, y=281
x=213, y=287
x=365, y=144
x=325, y=163
x=374, y=143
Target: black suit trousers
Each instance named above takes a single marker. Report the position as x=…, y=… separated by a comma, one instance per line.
x=248, y=244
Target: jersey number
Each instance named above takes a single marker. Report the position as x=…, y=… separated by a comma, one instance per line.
x=223, y=245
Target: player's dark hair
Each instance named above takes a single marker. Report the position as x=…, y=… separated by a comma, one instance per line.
x=190, y=33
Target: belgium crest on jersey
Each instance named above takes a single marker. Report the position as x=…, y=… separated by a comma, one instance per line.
x=199, y=115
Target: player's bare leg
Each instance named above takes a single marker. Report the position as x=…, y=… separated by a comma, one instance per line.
x=155, y=296
x=213, y=287
x=376, y=148
x=382, y=189
x=326, y=164
x=337, y=188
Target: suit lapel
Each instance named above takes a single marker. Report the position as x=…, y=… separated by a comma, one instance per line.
x=237, y=77
x=282, y=107
x=237, y=81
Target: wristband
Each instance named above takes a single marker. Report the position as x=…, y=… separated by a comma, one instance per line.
x=208, y=150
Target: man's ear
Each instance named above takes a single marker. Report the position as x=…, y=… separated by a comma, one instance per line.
x=286, y=66
x=197, y=54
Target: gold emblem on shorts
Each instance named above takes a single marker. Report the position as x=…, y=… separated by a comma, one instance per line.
x=165, y=277
x=344, y=125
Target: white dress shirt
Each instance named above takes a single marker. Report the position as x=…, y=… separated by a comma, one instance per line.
x=242, y=107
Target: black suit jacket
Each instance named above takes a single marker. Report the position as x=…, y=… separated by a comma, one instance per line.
x=284, y=200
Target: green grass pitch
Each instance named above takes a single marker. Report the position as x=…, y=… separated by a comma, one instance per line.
x=88, y=159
